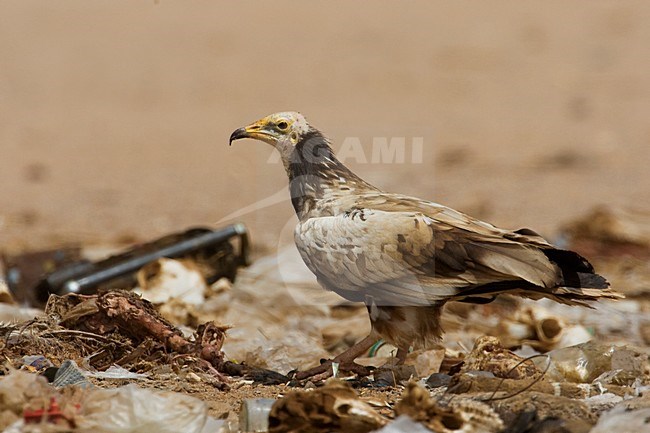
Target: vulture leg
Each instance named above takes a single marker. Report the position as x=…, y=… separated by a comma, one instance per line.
x=401, y=355
x=345, y=361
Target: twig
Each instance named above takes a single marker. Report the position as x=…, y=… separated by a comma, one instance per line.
x=88, y=334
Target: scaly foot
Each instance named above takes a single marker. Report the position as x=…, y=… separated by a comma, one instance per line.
x=345, y=361
x=326, y=370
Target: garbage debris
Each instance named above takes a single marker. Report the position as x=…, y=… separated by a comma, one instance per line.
x=15, y=313
x=51, y=414
x=620, y=419
x=6, y=296
x=438, y=380
x=209, y=248
x=115, y=372
x=592, y=361
x=254, y=415
x=404, y=424
x=334, y=407
x=541, y=330
x=456, y=415
x=546, y=406
x=426, y=362
x=115, y=328
x=290, y=351
x=24, y=271
x=602, y=402
x=167, y=279
x=36, y=362
x=17, y=390
x=547, y=368
x=532, y=422
x=130, y=409
x=135, y=317
x=69, y=374
x=488, y=355
x=26, y=399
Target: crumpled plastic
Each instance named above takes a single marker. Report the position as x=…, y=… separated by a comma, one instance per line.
x=403, y=424
x=130, y=409
x=16, y=390
x=167, y=279
x=620, y=419
x=584, y=363
x=254, y=414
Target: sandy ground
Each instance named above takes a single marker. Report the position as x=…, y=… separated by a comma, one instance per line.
x=115, y=115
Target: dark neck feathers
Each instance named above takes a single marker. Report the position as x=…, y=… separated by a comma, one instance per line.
x=314, y=171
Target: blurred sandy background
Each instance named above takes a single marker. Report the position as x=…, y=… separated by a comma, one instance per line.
x=115, y=116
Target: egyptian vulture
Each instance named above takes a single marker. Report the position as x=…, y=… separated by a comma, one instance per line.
x=405, y=257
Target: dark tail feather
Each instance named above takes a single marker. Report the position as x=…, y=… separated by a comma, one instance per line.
x=568, y=259
x=564, y=295
x=579, y=285
x=576, y=270
x=579, y=281
x=594, y=281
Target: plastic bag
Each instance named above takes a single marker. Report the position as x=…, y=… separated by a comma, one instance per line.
x=130, y=409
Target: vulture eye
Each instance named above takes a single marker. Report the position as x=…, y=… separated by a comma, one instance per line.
x=282, y=126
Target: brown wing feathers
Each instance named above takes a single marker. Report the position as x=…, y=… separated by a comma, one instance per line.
x=481, y=260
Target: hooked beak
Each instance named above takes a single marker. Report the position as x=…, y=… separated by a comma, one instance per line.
x=238, y=134
x=255, y=131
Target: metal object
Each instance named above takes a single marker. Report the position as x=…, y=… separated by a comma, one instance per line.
x=23, y=272
x=210, y=247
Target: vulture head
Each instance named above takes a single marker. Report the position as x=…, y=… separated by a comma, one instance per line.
x=301, y=146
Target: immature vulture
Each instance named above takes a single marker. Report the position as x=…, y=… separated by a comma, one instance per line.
x=405, y=257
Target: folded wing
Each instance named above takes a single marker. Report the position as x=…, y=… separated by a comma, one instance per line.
x=415, y=258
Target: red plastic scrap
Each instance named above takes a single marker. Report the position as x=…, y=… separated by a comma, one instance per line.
x=53, y=415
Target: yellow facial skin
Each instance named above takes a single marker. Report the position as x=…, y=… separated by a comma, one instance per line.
x=274, y=128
